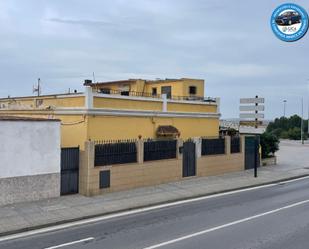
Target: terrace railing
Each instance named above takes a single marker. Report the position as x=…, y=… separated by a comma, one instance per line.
x=158, y=96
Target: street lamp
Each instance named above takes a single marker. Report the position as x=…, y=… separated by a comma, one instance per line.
x=302, y=123
x=308, y=108
x=284, y=107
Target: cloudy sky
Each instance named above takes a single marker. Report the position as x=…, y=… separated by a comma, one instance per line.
x=227, y=43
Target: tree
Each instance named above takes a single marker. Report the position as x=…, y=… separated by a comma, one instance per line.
x=269, y=143
x=288, y=128
x=294, y=121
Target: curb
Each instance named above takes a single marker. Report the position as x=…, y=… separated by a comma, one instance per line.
x=27, y=229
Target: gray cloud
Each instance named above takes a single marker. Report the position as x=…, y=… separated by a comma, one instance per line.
x=81, y=22
x=230, y=45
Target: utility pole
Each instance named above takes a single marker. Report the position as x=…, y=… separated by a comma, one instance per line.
x=37, y=89
x=284, y=107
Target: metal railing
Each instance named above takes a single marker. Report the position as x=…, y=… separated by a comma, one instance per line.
x=213, y=146
x=159, y=149
x=235, y=144
x=157, y=96
x=115, y=152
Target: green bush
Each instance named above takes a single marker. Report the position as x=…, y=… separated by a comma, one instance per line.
x=269, y=143
x=294, y=133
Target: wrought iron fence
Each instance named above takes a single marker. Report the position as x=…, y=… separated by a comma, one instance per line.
x=213, y=146
x=235, y=144
x=150, y=95
x=159, y=149
x=129, y=93
x=115, y=152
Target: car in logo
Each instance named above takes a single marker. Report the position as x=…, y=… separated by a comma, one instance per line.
x=288, y=18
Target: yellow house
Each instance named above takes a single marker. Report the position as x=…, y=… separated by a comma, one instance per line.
x=173, y=88
x=125, y=109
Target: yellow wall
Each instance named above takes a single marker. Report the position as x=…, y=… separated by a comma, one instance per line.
x=43, y=102
x=139, y=86
x=73, y=127
x=109, y=127
x=199, y=86
x=65, y=102
x=76, y=129
x=130, y=176
x=218, y=164
x=114, y=103
x=196, y=127
x=181, y=107
x=73, y=130
x=126, y=104
x=179, y=87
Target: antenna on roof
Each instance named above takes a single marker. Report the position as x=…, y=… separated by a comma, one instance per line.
x=37, y=89
x=93, y=77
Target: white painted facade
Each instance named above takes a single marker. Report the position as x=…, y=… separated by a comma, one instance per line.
x=29, y=148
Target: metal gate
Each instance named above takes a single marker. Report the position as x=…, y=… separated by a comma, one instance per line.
x=188, y=159
x=251, y=152
x=69, y=170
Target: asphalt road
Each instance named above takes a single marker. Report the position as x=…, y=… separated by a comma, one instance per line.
x=272, y=217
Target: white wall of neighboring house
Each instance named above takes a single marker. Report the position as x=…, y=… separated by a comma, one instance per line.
x=29, y=160
x=29, y=148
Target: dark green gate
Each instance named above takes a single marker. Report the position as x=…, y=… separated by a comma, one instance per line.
x=69, y=170
x=188, y=159
x=251, y=152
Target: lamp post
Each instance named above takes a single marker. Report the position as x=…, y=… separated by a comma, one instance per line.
x=284, y=107
x=302, y=124
x=308, y=108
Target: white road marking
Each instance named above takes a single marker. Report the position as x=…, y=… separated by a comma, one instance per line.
x=135, y=211
x=225, y=225
x=71, y=243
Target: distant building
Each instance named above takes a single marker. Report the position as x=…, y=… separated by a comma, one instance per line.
x=235, y=127
x=228, y=128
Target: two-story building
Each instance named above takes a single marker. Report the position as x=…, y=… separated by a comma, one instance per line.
x=125, y=109
x=132, y=109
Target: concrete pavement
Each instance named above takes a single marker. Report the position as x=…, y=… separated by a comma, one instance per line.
x=25, y=216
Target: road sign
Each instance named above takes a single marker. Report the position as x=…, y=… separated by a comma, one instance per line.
x=252, y=101
x=251, y=108
x=250, y=123
x=251, y=130
x=251, y=115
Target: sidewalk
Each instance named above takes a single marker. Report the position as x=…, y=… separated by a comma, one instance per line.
x=26, y=216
